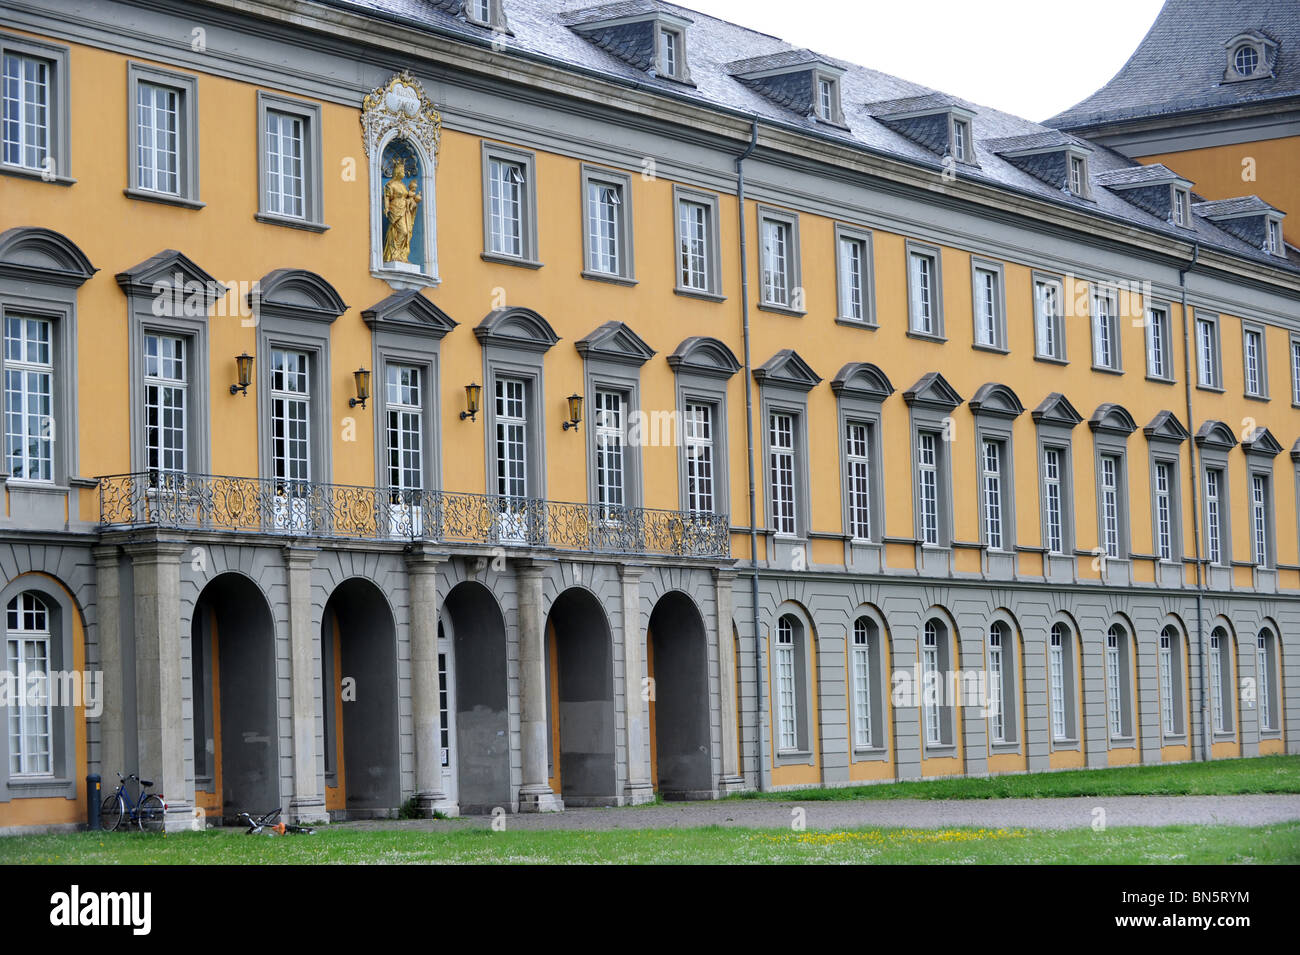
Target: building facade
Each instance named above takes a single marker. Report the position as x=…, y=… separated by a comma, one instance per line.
x=528, y=404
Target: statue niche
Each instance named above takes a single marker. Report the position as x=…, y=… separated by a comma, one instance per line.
x=401, y=198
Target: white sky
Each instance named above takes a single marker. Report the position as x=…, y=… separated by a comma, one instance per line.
x=1032, y=58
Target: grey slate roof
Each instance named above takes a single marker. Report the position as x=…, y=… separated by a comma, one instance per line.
x=1180, y=63
x=610, y=11
x=1241, y=205
x=779, y=61
x=1048, y=139
x=538, y=31
x=1137, y=175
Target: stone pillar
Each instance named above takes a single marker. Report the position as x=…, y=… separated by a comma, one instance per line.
x=159, y=699
x=108, y=629
x=730, y=781
x=307, y=804
x=638, y=789
x=535, y=795
x=422, y=585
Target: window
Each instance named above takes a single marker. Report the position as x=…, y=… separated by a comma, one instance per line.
x=781, y=450
x=509, y=206
x=931, y=682
x=961, y=146
x=480, y=12
x=1079, y=176
x=610, y=463
x=1105, y=330
x=511, y=438
x=1049, y=319
x=1260, y=506
x=669, y=52
x=166, y=402
x=994, y=506
x=1159, y=344
x=29, y=398
x=27, y=660
x=405, y=406
x=990, y=322
x=1053, y=501
x=862, y=724
x=927, y=483
x=1181, y=217
x=1214, y=515
x=923, y=294
x=1221, y=680
x=1273, y=238
x=1164, y=483
x=997, y=692
x=791, y=687
x=35, y=119
x=853, y=263
x=699, y=458
x=608, y=224
x=694, y=225
x=1061, y=676
x=290, y=415
x=286, y=170
x=780, y=261
x=857, y=441
x=1171, y=681
x=825, y=99
x=1119, y=703
x=164, y=136
x=1245, y=60
x=1254, y=362
x=1207, y=353
x=1295, y=371
x=1110, y=504
x=1266, y=673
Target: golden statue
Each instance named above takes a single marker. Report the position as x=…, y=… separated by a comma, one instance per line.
x=401, y=203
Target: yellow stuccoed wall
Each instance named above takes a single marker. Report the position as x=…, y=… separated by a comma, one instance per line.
x=117, y=233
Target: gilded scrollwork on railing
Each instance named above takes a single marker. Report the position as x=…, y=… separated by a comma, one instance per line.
x=271, y=506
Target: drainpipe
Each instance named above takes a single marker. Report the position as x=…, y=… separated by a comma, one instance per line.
x=749, y=451
x=1206, y=738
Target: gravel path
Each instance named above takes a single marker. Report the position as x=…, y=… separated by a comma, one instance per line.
x=1063, y=813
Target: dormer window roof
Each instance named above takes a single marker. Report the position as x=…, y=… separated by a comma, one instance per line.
x=937, y=121
x=483, y=13
x=799, y=80
x=1251, y=56
x=1156, y=189
x=1250, y=219
x=640, y=32
x=1057, y=159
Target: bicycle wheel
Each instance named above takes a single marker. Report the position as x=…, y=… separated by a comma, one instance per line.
x=151, y=813
x=111, y=812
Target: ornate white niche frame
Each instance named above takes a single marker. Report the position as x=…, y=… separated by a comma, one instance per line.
x=400, y=109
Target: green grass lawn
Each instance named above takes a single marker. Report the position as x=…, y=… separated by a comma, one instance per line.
x=1226, y=777
x=714, y=844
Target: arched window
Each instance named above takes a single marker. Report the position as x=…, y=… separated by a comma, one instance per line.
x=791, y=686
x=936, y=662
x=1119, y=683
x=1001, y=690
x=868, y=698
x=1062, y=682
x=27, y=659
x=1266, y=670
x=1221, y=699
x=1172, y=691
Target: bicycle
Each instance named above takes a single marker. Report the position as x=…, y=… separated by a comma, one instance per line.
x=148, y=812
x=270, y=825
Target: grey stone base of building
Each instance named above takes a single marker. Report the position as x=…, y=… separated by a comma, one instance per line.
x=307, y=812
x=178, y=818
x=539, y=800
x=41, y=830
x=429, y=805
x=727, y=785
x=638, y=794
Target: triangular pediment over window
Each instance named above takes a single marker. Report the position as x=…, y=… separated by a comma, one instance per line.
x=1111, y=418
x=43, y=255
x=1217, y=435
x=516, y=328
x=861, y=379
x=996, y=400
x=933, y=391
x=172, y=270
x=615, y=342
x=408, y=313
x=1261, y=442
x=704, y=356
x=1056, y=410
x=1165, y=426
x=787, y=370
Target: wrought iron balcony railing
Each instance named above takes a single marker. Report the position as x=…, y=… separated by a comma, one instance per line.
x=309, y=509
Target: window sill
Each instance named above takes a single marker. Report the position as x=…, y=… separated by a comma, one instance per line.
x=163, y=198
x=1214, y=388
x=1065, y=743
x=861, y=323
x=933, y=750
x=1051, y=360
x=1174, y=739
x=25, y=172
x=1108, y=371
x=1228, y=736
x=1005, y=748
x=306, y=225
x=996, y=349
x=782, y=309
x=498, y=258
x=1161, y=380
x=700, y=294
x=1250, y=397
x=870, y=752
x=609, y=277
x=926, y=336
x=1122, y=742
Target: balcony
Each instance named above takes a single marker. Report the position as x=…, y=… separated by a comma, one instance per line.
x=206, y=502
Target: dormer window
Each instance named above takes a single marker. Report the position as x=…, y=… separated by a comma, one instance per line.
x=1273, y=238
x=1078, y=175
x=1181, y=207
x=801, y=81
x=669, y=52
x=481, y=12
x=1246, y=60
x=639, y=32
x=825, y=98
x=961, y=149
x=1251, y=56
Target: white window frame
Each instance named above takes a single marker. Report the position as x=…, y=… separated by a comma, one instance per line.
x=1274, y=244
x=997, y=716
x=1057, y=637
x=1107, y=354
x=283, y=459
x=988, y=305
x=35, y=428
x=160, y=385
x=928, y=487
x=924, y=292
x=780, y=267
x=1054, y=494
x=930, y=665
x=992, y=455
x=1214, y=491
x=1254, y=360
x=1159, y=344
x=1077, y=174
x=1295, y=371
x=609, y=422
x=511, y=420
x=1181, y=212
x=519, y=248
x=607, y=225
x=48, y=161
x=1167, y=683
x=861, y=661
x=185, y=88
x=782, y=473
x=1264, y=643
x=404, y=409
x=701, y=460
x=1259, y=519
x=1208, y=373
x=857, y=451
x=1049, y=318
x=1114, y=686
x=855, y=281
x=25, y=761
x=1218, y=707
x=1163, y=474
x=1109, y=488
x=697, y=266
x=787, y=695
